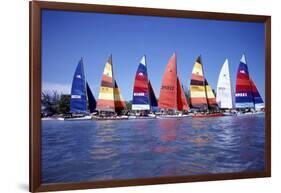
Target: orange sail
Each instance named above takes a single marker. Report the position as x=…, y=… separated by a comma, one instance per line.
x=182, y=102
x=168, y=90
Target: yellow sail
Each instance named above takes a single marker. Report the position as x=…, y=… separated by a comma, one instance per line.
x=211, y=99
x=198, y=98
x=118, y=100
x=106, y=93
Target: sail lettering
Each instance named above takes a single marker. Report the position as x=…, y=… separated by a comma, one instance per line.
x=166, y=87
x=139, y=94
x=241, y=94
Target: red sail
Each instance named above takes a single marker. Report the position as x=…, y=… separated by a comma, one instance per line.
x=168, y=90
x=182, y=102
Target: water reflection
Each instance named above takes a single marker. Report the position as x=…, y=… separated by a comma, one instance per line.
x=201, y=136
x=168, y=129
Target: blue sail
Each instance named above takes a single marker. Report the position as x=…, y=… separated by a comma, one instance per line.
x=243, y=95
x=152, y=98
x=259, y=104
x=141, y=90
x=91, y=99
x=78, y=100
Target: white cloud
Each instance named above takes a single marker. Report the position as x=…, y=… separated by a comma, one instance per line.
x=60, y=88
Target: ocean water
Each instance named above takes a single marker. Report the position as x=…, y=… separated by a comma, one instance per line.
x=80, y=151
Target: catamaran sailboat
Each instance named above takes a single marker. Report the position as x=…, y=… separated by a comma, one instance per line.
x=202, y=98
x=82, y=101
x=247, y=96
x=144, y=101
x=172, y=101
x=110, y=103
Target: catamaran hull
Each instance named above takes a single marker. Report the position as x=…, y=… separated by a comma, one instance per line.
x=142, y=117
x=171, y=116
x=229, y=114
x=52, y=119
x=97, y=118
x=85, y=118
x=250, y=114
x=208, y=115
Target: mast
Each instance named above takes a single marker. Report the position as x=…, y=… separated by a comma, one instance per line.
x=177, y=93
x=118, y=100
x=152, y=98
x=258, y=101
x=149, y=87
x=205, y=81
x=113, y=81
x=251, y=85
x=211, y=99
x=91, y=99
x=181, y=101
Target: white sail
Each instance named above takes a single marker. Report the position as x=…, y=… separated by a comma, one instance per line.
x=224, y=90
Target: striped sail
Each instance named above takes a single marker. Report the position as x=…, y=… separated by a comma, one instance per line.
x=118, y=100
x=106, y=93
x=211, y=99
x=182, y=102
x=259, y=104
x=224, y=89
x=243, y=94
x=141, y=88
x=91, y=99
x=168, y=90
x=198, y=97
x=78, y=100
x=152, y=98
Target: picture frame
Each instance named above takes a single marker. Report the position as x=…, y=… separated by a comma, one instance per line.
x=35, y=7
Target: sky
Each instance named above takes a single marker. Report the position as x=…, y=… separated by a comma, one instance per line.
x=68, y=36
